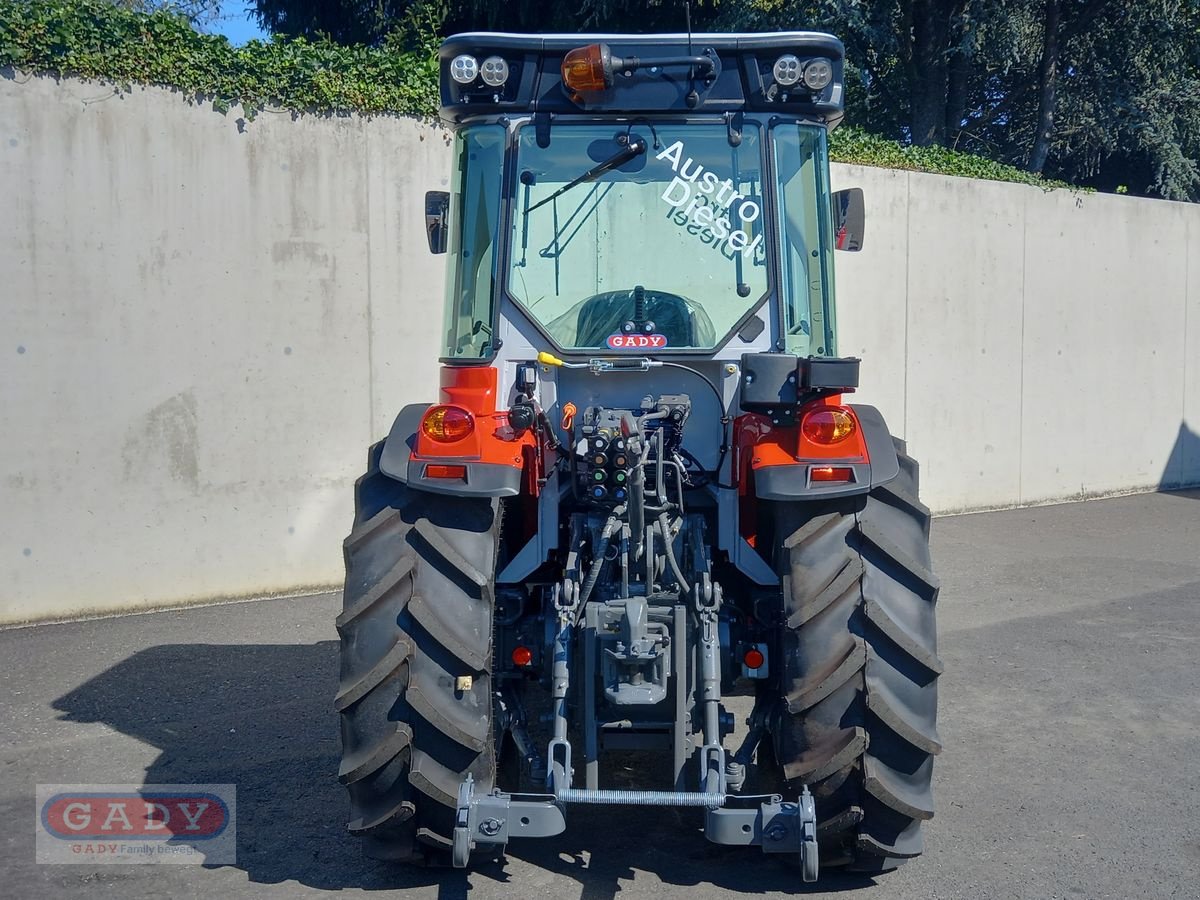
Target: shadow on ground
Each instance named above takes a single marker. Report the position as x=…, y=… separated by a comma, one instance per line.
x=1183, y=465
x=261, y=717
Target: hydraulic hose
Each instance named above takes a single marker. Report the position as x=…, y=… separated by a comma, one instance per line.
x=720, y=405
x=637, y=505
x=593, y=575
x=669, y=546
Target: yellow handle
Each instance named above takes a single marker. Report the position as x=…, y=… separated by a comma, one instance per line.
x=549, y=359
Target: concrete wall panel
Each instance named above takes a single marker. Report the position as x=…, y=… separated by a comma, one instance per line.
x=964, y=338
x=1186, y=452
x=872, y=293
x=206, y=321
x=183, y=381
x=1103, y=362
x=405, y=159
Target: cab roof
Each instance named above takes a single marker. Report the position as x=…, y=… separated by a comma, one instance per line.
x=742, y=77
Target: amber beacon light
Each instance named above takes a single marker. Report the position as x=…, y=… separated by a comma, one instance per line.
x=588, y=69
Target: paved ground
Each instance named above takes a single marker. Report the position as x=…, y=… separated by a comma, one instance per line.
x=1070, y=715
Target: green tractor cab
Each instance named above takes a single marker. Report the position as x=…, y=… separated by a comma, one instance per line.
x=641, y=489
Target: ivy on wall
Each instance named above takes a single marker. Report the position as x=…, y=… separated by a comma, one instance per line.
x=98, y=40
x=853, y=145
x=101, y=41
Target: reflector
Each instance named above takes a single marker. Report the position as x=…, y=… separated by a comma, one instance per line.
x=831, y=473
x=439, y=471
x=522, y=656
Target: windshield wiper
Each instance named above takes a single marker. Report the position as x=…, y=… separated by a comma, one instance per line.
x=635, y=147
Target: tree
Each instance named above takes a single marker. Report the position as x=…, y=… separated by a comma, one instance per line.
x=370, y=21
x=344, y=21
x=1097, y=92
x=198, y=12
x=1090, y=91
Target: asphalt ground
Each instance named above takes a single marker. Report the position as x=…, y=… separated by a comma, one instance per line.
x=1070, y=714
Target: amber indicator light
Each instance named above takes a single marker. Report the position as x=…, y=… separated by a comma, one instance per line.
x=447, y=424
x=828, y=425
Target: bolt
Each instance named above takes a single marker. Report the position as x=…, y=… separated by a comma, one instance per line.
x=775, y=833
x=490, y=827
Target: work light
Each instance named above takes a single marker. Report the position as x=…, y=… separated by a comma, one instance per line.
x=817, y=74
x=464, y=69
x=787, y=70
x=494, y=71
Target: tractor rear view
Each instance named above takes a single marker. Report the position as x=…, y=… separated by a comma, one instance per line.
x=642, y=489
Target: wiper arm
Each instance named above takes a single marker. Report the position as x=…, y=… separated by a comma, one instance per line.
x=635, y=147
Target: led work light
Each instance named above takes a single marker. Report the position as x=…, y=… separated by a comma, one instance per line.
x=464, y=69
x=494, y=71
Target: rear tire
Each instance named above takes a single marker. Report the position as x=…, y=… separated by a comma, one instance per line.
x=857, y=721
x=416, y=622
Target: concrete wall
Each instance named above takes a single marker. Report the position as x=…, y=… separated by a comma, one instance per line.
x=1031, y=346
x=205, y=322
x=203, y=329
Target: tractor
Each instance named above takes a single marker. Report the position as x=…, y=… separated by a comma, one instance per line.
x=642, y=491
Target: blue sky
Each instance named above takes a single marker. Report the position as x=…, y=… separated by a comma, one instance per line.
x=237, y=23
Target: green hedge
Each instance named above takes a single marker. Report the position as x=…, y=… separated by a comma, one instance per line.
x=853, y=145
x=94, y=39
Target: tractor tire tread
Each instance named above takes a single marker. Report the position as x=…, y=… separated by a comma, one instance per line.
x=415, y=694
x=857, y=722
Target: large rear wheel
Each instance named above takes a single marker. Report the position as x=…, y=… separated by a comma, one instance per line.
x=416, y=650
x=857, y=720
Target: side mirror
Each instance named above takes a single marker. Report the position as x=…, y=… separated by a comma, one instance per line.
x=437, y=209
x=849, y=219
